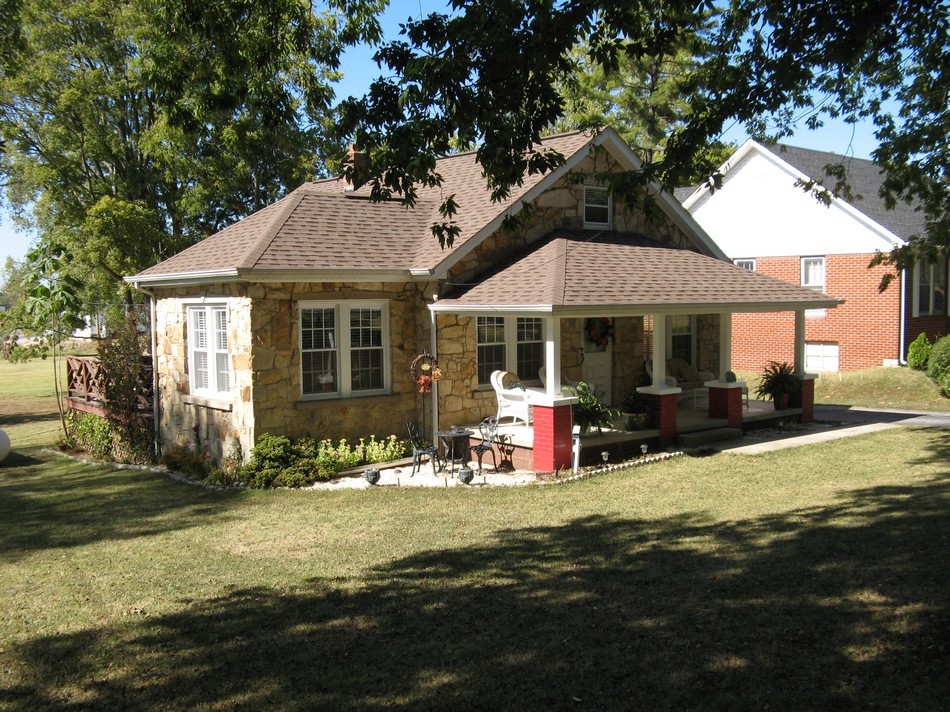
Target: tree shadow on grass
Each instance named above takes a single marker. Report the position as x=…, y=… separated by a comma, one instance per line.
x=840, y=607
x=52, y=502
x=7, y=420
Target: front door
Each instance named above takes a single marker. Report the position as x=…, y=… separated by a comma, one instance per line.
x=597, y=367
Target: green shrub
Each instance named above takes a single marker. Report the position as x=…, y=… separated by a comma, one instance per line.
x=186, y=462
x=222, y=477
x=90, y=433
x=300, y=474
x=276, y=450
x=938, y=367
x=276, y=461
x=918, y=353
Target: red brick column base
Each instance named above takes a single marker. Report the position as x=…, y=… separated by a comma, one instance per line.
x=726, y=403
x=808, y=398
x=664, y=411
x=553, y=426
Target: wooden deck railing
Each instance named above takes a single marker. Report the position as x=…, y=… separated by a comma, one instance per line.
x=86, y=385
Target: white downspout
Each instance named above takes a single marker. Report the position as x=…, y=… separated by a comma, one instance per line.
x=435, y=384
x=902, y=335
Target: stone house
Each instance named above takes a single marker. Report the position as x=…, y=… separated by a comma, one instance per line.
x=305, y=317
x=763, y=219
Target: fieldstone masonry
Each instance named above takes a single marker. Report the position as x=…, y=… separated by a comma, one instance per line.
x=263, y=333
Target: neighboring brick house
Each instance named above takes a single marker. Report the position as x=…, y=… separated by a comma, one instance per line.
x=765, y=221
x=305, y=317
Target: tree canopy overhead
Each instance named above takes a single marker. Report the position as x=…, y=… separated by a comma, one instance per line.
x=130, y=129
x=488, y=71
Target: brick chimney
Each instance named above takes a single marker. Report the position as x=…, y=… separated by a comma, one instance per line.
x=357, y=163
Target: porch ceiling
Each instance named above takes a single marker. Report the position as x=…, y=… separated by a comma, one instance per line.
x=583, y=273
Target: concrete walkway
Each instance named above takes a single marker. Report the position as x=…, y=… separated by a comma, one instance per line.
x=858, y=421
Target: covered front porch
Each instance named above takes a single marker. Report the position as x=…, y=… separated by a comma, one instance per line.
x=617, y=278
x=515, y=446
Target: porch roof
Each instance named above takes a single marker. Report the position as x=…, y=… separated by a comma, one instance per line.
x=584, y=273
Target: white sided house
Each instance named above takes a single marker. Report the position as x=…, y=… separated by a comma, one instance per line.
x=766, y=221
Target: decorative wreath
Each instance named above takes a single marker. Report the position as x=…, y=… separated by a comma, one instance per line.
x=424, y=370
x=599, y=330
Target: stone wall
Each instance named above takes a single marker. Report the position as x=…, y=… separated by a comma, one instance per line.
x=707, y=343
x=264, y=349
x=562, y=206
x=211, y=425
x=278, y=404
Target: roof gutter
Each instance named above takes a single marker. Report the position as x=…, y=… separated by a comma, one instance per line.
x=620, y=310
x=184, y=279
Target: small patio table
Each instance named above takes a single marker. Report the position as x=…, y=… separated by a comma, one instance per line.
x=449, y=438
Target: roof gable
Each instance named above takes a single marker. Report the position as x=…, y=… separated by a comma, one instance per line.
x=322, y=227
x=784, y=219
x=584, y=272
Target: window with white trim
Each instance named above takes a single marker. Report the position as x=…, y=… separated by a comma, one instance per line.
x=509, y=345
x=490, y=337
x=813, y=273
x=343, y=348
x=748, y=264
x=930, y=279
x=208, y=366
x=596, y=206
x=821, y=356
x=530, y=347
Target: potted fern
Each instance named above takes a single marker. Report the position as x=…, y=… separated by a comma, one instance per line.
x=590, y=411
x=779, y=382
x=634, y=409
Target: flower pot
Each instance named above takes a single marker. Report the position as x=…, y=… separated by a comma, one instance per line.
x=780, y=400
x=371, y=476
x=466, y=476
x=634, y=421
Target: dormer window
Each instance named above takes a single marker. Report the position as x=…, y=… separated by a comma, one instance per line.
x=596, y=206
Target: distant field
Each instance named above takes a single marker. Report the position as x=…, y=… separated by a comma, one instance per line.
x=28, y=410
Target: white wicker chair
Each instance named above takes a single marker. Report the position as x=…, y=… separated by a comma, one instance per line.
x=512, y=399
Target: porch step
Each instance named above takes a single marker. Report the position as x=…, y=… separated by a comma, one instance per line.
x=704, y=437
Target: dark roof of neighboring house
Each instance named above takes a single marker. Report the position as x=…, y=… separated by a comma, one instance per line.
x=322, y=226
x=588, y=270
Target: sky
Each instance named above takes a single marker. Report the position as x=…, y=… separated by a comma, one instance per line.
x=359, y=70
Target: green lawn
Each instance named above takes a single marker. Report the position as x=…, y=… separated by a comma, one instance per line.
x=809, y=578
x=897, y=388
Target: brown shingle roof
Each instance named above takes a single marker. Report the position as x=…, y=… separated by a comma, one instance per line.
x=588, y=270
x=321, y=226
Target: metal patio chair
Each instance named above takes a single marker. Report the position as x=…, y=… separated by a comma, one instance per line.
x=421, y=448
x=488, y=429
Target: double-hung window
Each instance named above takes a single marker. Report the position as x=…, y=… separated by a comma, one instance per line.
x=746, y=263
x=509, y=345
x=208, y=349
x=490, y=336
x=813, y=277
x=344, y=348
x=596, y=206
x=931, y=292
x=813, y=273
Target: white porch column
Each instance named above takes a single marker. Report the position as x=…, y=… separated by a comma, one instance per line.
x=725, y=345
x=800, y=341
x=552, y=355
x=659, y=350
